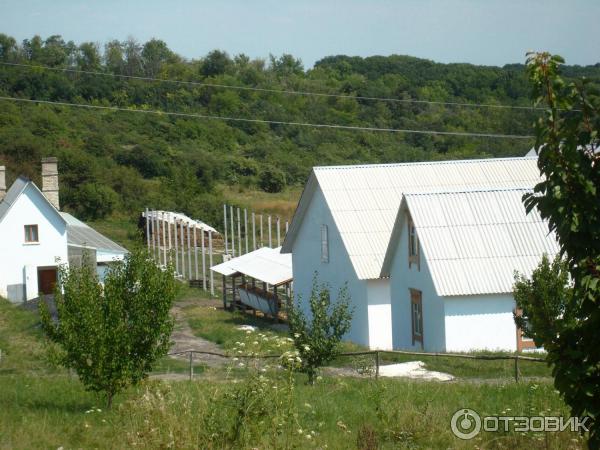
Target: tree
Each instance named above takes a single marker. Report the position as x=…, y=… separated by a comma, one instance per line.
x=569, y=198
x=272, y=180
x=216, y=63
x=545, y=301
x=93, y=200
x=112, y=334
x=317, y=339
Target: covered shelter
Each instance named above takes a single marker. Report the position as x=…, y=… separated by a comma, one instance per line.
x=260, y=280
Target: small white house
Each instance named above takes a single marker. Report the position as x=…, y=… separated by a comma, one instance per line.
x=451, y=261
x=36, y=238
x=33, y=242
x=343, y=224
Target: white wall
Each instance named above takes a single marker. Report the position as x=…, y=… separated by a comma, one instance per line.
x=480, y=322
x=380, y=314
x=306, y=259
x=15, y=255
x=402, y=280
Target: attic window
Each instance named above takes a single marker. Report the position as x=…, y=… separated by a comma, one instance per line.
x=31, y=234
x=413, y=244
x=324, y=244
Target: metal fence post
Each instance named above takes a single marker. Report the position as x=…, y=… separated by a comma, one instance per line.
x=377, y=365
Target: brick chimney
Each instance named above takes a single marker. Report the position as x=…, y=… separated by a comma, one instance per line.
x=2, y=182
x=50, y=180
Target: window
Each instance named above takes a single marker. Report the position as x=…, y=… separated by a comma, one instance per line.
x=416, y=311
x=31, y=234
x=324, y=244
x=523, y=342
x=413, y=245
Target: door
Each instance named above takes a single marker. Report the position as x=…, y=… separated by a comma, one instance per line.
x=416, y=310
x=46, y=280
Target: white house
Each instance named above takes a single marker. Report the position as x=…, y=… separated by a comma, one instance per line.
x=344, y=220
x=451, y=261
x=35, y=237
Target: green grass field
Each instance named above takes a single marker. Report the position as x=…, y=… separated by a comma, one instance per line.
x=46, y=407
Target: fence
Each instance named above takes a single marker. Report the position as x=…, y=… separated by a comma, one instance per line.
x=377, y=356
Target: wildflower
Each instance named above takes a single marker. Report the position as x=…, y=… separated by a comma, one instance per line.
x=296, y=335
x=308, y=436
x=306, y=348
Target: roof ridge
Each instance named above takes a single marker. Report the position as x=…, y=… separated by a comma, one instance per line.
x=468, y=191
x=422, y=163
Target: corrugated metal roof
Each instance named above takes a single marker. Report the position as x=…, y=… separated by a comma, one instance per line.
x=265, y=264
x=474, y=241
x=173, y=217
x=82, y=235
x=364, y=199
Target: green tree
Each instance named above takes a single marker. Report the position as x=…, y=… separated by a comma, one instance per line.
x=272, y=180
x=569, y=198
x=317, y=337
x=93, y=200
x=112, y=334
x=545, y=301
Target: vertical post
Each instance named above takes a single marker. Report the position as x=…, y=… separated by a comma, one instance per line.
x=239, y=230
x=210, y=259
x=224, y=293
x=157, y=236
x=191, y=365
x=246, y=228
x=232, y=232
x=176, y=245
x=164, y=238
x=189, y=251
x=269, y=225
x=225, y=227
x=287, y=226
x=153, y=236
x=516, y=368
x=195, y=250
x=169, y=235
x=203, y=263
x=261, y=232
x=148, y=229
x=181, y=232
x=253, y=231
x=278, y=232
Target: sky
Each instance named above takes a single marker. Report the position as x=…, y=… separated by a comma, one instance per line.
x=490, y=32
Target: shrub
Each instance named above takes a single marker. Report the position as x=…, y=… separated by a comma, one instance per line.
x=317, y=340
x=112, y=334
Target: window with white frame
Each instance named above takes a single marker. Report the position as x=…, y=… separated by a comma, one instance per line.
x=31, y=234
x=324, y=244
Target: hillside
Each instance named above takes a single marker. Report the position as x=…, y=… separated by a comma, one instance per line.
x=115, y=163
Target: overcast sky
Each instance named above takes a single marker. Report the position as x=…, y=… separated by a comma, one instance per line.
x=492, y=32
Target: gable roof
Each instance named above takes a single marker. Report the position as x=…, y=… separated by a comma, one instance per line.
x=473, y=241
x=364, y=199
x=80, y=234
x=15, y=191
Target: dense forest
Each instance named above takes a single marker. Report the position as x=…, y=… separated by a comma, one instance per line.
x=117, y=162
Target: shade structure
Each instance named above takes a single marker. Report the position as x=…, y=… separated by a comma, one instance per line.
x=265, y=264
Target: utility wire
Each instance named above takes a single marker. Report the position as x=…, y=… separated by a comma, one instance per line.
x=277, y=91
x=271, y=122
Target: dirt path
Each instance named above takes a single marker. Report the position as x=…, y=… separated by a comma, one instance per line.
x=185, y=340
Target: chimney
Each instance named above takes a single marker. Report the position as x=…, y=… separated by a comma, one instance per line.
x=50, y=180
x=2, y=182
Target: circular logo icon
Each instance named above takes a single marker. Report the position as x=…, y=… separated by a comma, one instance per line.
x=465, y=424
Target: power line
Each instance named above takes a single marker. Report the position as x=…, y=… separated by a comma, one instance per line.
x=270, y=122
x=276, y=91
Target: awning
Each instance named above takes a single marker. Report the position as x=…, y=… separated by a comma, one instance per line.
x=265, y=264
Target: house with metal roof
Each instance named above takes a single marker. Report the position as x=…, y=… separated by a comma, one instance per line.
x=36, y=238
x=342, y=227
x=451, y=263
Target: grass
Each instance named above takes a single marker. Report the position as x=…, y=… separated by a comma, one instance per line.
x=121, y=229
x=50, y=409
x=282, y=204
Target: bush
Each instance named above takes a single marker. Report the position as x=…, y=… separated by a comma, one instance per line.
x=317, y=340
x=272, y=180
x=112, y=334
